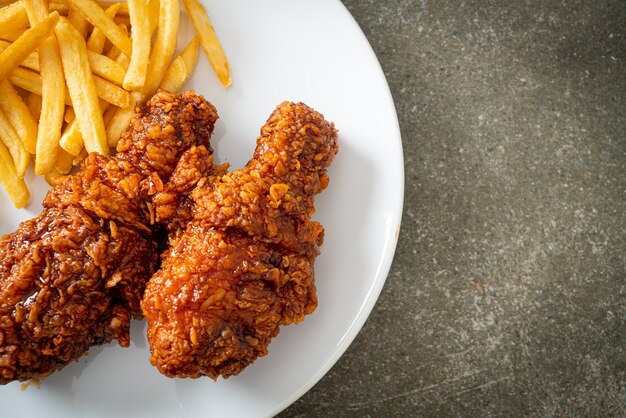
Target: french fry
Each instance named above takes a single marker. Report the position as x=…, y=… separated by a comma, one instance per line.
x=33, y=101
x=32, y=82
x=52, y=91
x=87, y=78
x=209, y=40
x=190, y=54
x=72, y=141
x=78, y=20
x=108, y=115
x=18, y=114
x=69, y=115
x=96, y=16
x=12, y=36
x=153, y=13
x=182, y=67
x=123, y=6
x=123, y=60
x=11, y=57
x=13, y=184
x=140, y=22
x=120, y=121
x=59, y=6
x=80, y=157
x=164, y=46
x=64, y=162
x=106, y=68
x=21, y=157
x=175, y=76
x=81, y=86
x=13, y=18
x=97, y=37
x=31, y=61
x=122, y=20
x=111, y=93
x=53, y=177
x=114, y=52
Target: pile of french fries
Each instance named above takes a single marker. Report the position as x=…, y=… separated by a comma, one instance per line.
x=72, y=72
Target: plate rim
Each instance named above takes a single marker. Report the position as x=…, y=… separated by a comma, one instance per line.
x=388, y=250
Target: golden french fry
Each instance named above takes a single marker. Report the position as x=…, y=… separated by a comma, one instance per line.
x=53, y=177
x=27, y=80
x=106, y=68
x=164, y=46
x=82, y=88
x=72, y=141
x=190, y=54
x=89, y=76
x=112, y=51
x=120, y=121
x=123, y=60
x=59, y=6
x=182, y=67
x=123, y=6
x=33, y=101
x=20, y=117
x=64, y=162
x=140, y=22
x=153, y=13
x=209, y=40
x=111, y=93
x=97, y=38
x=12, y=35
x=21, y=157
x=80, y=157
x=13, y=18
x=31, y=81
x=11, y=57
x=78, y=20
x=122, y=20
x=52, y=91
x=108, y=115
x=96, y=16
x=31, y=61
x=69, y=115
x=175, y=76
x=13, y=184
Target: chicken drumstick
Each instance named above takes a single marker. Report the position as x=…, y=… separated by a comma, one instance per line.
x=74, y=276
x=244, y=263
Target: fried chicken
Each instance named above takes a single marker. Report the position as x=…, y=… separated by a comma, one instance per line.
x=74, y=276
x=244, y=263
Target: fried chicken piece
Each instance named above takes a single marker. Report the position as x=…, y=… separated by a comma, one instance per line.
x=244, y=264
x=74, y=276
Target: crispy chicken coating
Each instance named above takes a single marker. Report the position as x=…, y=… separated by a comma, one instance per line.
x=244, y=263
x=74, y=276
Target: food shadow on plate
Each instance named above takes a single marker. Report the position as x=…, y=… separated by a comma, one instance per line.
x=138, y=332
x=109, y=373
x=63, y=381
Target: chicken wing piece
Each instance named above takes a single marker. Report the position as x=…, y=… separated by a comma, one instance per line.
x=75, y=275
x=244, y=264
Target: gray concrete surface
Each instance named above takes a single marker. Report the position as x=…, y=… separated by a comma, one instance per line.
x=507, y=293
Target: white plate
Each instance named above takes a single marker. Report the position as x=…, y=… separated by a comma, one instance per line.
x=312, y=52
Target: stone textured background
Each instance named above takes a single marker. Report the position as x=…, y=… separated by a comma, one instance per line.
x=507, y=295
